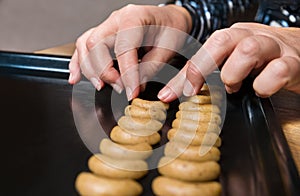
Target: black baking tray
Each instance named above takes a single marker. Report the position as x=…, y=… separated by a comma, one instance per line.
x=42, y=152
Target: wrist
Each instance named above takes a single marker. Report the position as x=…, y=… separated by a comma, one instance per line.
x=179, y=17
x=195, y=13
x=186, y=15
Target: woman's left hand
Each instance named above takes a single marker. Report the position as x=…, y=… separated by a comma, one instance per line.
x=271, y=54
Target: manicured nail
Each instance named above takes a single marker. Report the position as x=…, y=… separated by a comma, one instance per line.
x=164, y=93
x=188, y=89
x=129, y=93
x=96, y=83
x=117, y=88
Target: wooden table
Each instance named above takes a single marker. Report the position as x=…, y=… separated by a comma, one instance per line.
x=287, y=108
x=286, y=105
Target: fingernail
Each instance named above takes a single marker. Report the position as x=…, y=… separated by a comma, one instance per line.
x=188, y=89
x=70, y=78
x=117, y=88
x=96, y=83
x=129, y=93
x=164, y=93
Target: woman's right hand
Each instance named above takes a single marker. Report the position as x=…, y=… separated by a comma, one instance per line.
x=122, y=32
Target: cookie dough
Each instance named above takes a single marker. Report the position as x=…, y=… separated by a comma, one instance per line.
x=138, y=151
x=191, y=153
x=189, y=170
x=169, y=186
x=106, y=166
x=124, y=137
x=89, y=184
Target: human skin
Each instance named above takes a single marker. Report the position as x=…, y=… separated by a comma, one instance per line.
x=271, y=54
x=128, y=17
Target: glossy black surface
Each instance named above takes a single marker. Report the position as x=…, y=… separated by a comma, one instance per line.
x=42, y=152
x=256, y=159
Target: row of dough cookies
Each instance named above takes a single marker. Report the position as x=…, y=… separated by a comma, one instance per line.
x=121, y=160
x=183, y=170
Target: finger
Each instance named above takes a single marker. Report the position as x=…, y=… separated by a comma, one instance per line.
x=210, y=56
x=251, y=53
x=81, y=48
x=173, y=89
x=99, y=64
x=128, y=40
x=79, y=54
x=99, y=61
x=152, y=62
x=84, y=61
x=164, y=42
x=128, y=65
x=279, y=73
x=74, y=69
x=105, y=29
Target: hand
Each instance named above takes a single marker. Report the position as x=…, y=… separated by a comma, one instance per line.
x=122, y=31
x=272, y=54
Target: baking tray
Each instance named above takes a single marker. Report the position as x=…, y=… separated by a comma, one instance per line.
x=42, y=152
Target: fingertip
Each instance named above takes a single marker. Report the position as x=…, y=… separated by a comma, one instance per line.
x=132, y=93
x=166, y=95
x=262, y=91
x=262, y=95
x=228, y=90
x=101, y=84
x=135, y=94
x=233, y=88
x=97, y=83
x=163, y=93
x=258, y=95
x=143, y=87
x=71, y=78
x=188, y=89
x=74, y=69
x=74, y=77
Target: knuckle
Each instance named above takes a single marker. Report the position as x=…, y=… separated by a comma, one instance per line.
x=249, y=46
x=79, y=42
x=128, y=15
x=220, y=37
x=130, y=6
x=129, y=9
x=91, y=42
x=192, y=70
x=249, y=26
x=239, y=25
x=114, y=13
